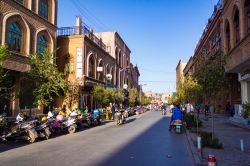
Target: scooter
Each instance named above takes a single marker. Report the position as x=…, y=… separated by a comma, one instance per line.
x=178, y=126
x=120, y=118
x=22, y=130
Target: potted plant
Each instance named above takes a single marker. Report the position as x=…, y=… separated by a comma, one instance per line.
x=246, y=111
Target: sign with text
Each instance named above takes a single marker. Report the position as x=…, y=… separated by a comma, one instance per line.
x=79, y=63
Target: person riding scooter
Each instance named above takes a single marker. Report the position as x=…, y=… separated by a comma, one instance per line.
x=177, y=115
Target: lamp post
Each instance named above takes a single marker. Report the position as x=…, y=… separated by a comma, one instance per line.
x=141, y=91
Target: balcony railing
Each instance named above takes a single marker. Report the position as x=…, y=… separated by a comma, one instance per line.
x=83, y=30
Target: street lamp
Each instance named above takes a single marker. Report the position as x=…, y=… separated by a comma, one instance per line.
x=141, y=91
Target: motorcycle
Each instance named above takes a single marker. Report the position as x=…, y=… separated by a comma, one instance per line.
x=43, y=129
x=120, y=118
x=61, y=124
x=22, y=130
x=178, y=126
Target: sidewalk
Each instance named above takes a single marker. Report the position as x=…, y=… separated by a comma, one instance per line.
x=229, y=135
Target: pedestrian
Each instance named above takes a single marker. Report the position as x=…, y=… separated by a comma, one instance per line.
x=113, y=111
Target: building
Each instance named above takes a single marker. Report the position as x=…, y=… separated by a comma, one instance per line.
x=27, y=27
x=88, y=59
x=236, y=30
x=134, y=77
x=119, y=50
x=179, y=72
x=212, y=43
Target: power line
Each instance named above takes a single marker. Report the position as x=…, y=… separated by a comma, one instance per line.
x=93, y=16
x=85, y=15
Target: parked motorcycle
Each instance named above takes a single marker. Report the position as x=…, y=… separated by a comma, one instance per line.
x=22, y=130
x=43, y=129
x=120, y=118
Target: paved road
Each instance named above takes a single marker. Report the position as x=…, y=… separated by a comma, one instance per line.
x=143, y=141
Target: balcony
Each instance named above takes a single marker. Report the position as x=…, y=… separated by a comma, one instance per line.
x=81, y=30
x=239, y=57
x=17, y=62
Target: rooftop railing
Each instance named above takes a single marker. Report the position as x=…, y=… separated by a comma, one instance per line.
x=217, y=8
x=82, y=30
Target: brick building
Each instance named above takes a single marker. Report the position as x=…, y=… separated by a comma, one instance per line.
x=89, y=61
x=212, y=42
x=179, y=72
x=27, y=27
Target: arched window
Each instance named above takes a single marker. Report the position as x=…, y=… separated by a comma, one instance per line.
x=120, y=59
x=43, y=9
x=100, y=73
x=228, y=38
x=91, y=67
x=14, y=37
x=41, y=45
x=237, y=26
x=247, y=15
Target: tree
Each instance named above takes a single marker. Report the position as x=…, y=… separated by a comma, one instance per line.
x=98, y=93
x=72, y=93
x=133, y=96
x=188, y=91
x=211, y=75
x=6, y=85
x=49, y=82
x=119, y=96
x=109, y=97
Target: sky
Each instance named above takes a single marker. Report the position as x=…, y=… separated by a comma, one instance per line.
x=158, y=32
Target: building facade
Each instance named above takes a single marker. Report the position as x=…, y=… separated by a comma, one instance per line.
x=236, y=30
x=212, y=43
x=27, y=27
x=121, y=52
x=88, y=59
x=179, y=72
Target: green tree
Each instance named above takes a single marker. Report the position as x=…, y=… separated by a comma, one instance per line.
x=72, y=93
x=109, y=97
x=133, y=96
x=119, y=96
x=6, y=85
x=98, y=93
x=188, y=91
x=211, y=75
x=49, y=82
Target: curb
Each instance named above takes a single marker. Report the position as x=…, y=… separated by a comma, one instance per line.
x=196, y=156
x=239, y=124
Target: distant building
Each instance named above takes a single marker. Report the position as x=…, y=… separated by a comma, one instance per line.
x=179, y=72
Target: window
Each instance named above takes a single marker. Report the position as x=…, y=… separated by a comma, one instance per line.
x=236, y=27
x=91, y=67
x=247, y=15
x=14, y=37
x=41, y=45
x=43, y=9
x=228, y=46
x=19, y=1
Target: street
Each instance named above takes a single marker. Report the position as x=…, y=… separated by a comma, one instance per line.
x=144, y=140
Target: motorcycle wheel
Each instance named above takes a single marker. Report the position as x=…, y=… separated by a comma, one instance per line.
x=31, y=136
x=71, y=129
x=47, y=135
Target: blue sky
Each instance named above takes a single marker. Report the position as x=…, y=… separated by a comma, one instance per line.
x=158, y=32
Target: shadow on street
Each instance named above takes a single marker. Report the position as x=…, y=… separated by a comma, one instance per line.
x=155, y=146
